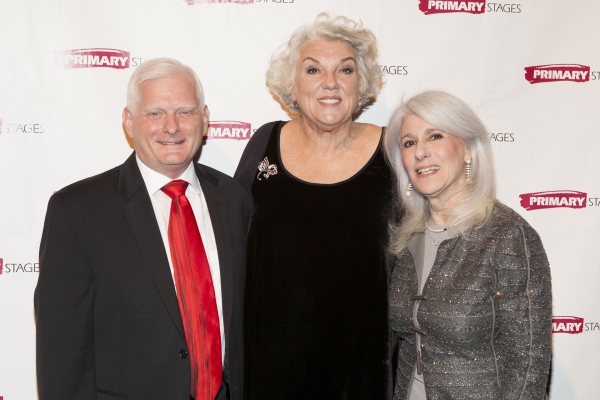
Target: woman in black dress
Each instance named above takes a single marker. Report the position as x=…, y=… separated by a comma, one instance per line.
x=316, y=322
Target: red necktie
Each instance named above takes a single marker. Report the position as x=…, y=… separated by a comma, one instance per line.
x=195, y=294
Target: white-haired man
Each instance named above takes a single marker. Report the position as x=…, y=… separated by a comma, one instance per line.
x=142, y=268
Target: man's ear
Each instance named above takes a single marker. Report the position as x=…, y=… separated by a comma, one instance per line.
x=205, y=118
x=128, y=122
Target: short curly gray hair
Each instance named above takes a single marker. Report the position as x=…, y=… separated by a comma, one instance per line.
x=282, y=69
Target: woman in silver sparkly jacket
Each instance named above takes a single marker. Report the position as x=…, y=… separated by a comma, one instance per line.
x=470, y=290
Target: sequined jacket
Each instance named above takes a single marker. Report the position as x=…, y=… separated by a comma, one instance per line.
x=484, y=317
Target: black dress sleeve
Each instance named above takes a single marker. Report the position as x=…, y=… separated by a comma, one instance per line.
x=247, y=167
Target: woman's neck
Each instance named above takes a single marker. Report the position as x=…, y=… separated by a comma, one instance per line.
x=441, y=208
x=326, y=139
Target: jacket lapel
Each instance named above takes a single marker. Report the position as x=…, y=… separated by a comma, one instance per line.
x=416, y=248
x=219, y=216
x=140, y=215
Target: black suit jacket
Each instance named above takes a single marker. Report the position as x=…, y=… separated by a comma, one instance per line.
x=108, y=322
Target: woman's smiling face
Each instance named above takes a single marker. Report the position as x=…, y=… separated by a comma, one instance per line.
x=326, y=83
x=434, y=160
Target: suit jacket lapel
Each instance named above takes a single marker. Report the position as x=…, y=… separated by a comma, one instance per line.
x=219, y=216
x=140, y=215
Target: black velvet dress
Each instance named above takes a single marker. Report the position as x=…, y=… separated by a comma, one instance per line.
x=316, y=316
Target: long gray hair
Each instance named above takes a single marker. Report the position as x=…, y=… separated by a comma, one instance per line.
x=452, y=116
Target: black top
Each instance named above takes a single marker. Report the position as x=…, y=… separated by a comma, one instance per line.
x=316, y=314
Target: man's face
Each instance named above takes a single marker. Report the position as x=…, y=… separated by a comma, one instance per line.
x=166, y=124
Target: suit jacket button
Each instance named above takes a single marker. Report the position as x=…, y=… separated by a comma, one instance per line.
x=183, y=353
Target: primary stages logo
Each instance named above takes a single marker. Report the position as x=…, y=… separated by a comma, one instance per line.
x=554, y=199
x=21, y=128
x=92, y=58
x=570, y=325
x=505, y=137
x=235, y=130
x=451, y=6
x=557, y=72
x=9, y=268
x=573, y=325
x=394, y=69
x=467, y=6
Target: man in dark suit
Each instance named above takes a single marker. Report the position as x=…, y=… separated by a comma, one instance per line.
x=108, y=301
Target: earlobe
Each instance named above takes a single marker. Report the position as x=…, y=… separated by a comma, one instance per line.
x=205, y=120
x=468, y=155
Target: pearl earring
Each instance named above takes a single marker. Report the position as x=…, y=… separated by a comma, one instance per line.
x=409, y=189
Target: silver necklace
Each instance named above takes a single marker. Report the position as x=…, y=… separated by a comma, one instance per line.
x=435, y=243
x=429, y=230
x=434, y=230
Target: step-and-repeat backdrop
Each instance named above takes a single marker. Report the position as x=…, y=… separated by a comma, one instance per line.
x=530, y=68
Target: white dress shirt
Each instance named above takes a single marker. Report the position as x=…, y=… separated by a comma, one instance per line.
x=162, y=208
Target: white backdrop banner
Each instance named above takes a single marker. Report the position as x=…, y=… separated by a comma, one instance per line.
x=529, y=68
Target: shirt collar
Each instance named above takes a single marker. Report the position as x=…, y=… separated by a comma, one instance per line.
x=155, y=181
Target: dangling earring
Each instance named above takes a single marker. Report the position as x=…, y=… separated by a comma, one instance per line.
x=294, y=104
x=468, y=171
x=358, y=106
x=409, y=189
